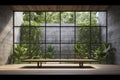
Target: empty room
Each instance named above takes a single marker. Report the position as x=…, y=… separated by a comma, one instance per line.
x=59, y=39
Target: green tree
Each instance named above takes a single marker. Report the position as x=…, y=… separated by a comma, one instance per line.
x=50, y=52
x=67, y=17
x=104, y=53
x=83, y=18
x=82, y=48
x=31, y=35
x=20, y=53
x=52, y=17
x=37, y=18
x=34, y=34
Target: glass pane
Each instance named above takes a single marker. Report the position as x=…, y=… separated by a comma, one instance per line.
x=98, y=18
x=52, y=34
x=82, y=51
x=52, y=49
x=67, y=49
x=37, y=34
x=26, y=49
x=21, y=19
x=94, y=19
x=57, y=56
x=82, y=34
x=83, y=18
x=95, y=35
x=67, y=56
x=53, y=18
x=67, y=35
x=95, y=49
x=102, y=18
x=21, y=51
x=24, y=35
x=103, y=34
x=17, y=34
x=37, y=19
x=37, y=51
x=67, y=18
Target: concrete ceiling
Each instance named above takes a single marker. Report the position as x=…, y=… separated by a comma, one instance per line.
x=59, y=7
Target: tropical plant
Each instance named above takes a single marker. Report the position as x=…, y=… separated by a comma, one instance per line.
x=34, y=34
x=83, y=18
x=83, y=47
x=29, y=35
x=19, y=53
x=50, y=52
x=105, y=53
x=67, y=17
x=52, y=17
x=81, y=51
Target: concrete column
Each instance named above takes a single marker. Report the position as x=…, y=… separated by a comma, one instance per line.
x=113, y=30
x=6, y=34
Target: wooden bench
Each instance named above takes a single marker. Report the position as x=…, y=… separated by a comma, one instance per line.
x=39, y=61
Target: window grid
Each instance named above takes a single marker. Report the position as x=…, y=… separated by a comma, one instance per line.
x=60, y=43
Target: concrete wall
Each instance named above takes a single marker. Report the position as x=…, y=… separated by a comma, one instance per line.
x=6, y=34
x=114, y=30
x=102, y=22
x=67, y=36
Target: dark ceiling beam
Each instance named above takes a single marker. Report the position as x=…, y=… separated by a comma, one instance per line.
x=58, y=7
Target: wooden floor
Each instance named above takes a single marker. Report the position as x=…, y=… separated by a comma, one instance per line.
x=58, y=69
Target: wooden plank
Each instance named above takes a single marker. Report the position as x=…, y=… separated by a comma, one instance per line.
x=80, y=61
x=59, y=60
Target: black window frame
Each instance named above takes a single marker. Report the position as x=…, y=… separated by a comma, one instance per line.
x=60, y=43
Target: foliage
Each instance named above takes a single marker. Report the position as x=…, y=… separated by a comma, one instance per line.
x=20, y=53
x=95, y=35
x=29, y=35
x=104, y=53
x=67, y=17
x=26, y=23
x=33, y=23
x=37, y=18
x=26, y=16
x=82, y=47
x=52, y=17
x=94, y=20
x=82, y=51
x=83, y=35
x=50, y=52
x=83, y=18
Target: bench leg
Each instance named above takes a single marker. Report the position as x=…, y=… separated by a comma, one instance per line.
x=37, y=64
x=80, y=64
x=40, y=64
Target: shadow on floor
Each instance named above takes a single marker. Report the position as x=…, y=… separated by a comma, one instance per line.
x=84, y=67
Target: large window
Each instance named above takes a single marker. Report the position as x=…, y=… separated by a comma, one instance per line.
x=58, y=34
